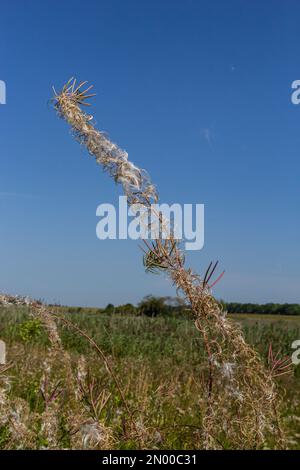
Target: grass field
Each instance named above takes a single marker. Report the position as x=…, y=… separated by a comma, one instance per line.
x=158, y=362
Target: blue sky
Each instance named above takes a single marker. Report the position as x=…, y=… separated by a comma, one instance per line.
x=198, y=93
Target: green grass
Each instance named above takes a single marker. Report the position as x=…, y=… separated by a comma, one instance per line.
x=246, y=317
x=158, y=361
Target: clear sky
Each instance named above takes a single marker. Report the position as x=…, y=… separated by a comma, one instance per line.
x=199, y=94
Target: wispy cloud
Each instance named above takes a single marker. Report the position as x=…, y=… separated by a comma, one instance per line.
x=208, y=135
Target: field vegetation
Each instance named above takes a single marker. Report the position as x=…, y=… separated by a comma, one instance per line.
x=158, y=361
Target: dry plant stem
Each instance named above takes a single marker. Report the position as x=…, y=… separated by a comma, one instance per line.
x=106, y=363
x=56, y=352
x=248, y=391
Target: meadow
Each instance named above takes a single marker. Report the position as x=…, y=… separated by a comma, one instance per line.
x=159, y=366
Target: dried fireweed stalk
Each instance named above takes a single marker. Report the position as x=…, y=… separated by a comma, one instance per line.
x=59, y=391
x=240, y=404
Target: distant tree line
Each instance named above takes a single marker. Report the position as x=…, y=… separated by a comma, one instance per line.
x=266, y=309
x=155, y=306
x=152, y=306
